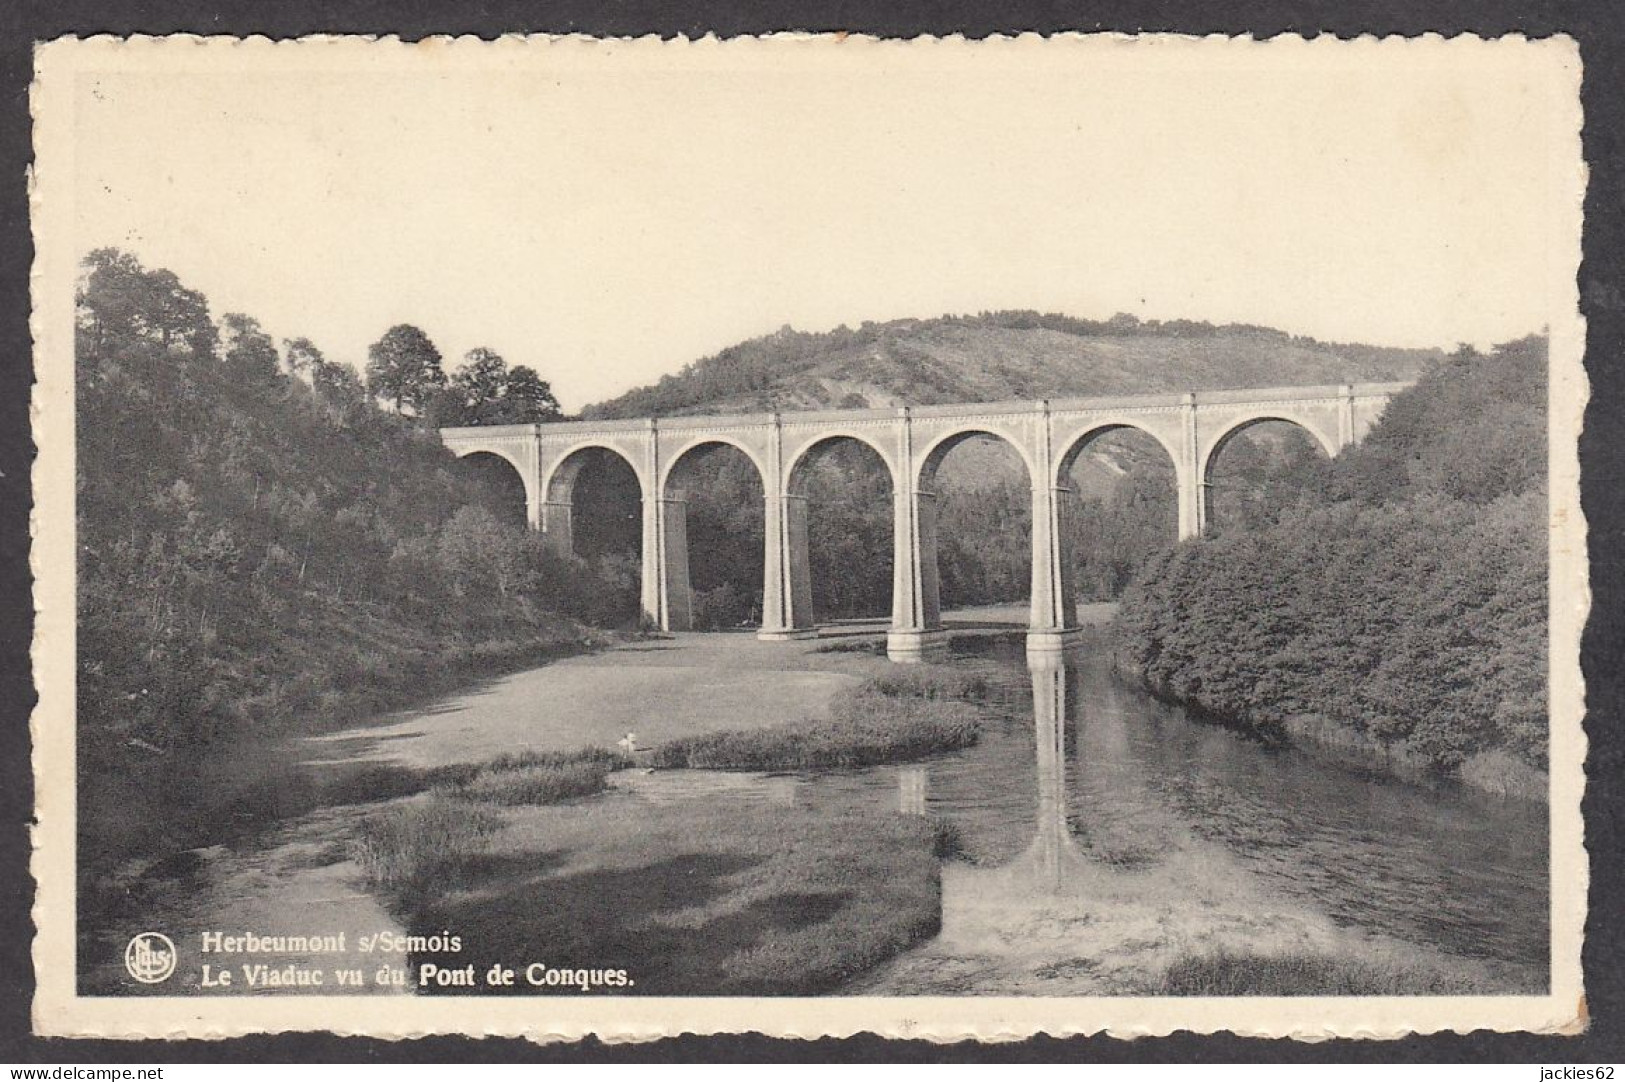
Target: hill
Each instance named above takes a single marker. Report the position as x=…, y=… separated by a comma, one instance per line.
x=1126, y=481
x=264, y=552
x=1002, y=355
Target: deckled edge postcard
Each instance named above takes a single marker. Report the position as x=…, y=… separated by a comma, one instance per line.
x=156, y=978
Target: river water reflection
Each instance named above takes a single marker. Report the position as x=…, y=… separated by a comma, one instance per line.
x=1106, y=836
x=1079, y=771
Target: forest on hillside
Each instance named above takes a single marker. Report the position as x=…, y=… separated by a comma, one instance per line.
x=1401, y=611
x=262, y=544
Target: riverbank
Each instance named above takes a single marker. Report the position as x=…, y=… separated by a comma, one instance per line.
x=1359, y=626
x=755, y=896
x=240, y=844
x=1494, y=772
x=687, y=898
x=659, y=689
x=784, y=883
x=146, y=805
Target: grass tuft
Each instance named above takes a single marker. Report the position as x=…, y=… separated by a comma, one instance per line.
x=930, y=682
x=530, y=757
x=1231, y=973
x=414, y=842
x=947, y=839
x=409, y=843
x=706, y=898
x=868, y=734
x=540, y=784
x=535, y=777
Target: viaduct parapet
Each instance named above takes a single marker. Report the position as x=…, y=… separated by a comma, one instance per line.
x=1049, y=435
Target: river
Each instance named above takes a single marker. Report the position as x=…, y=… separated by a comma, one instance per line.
x=1103, y=833
x=1085, y=787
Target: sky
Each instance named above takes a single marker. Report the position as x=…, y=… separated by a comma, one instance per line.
x=609, y=213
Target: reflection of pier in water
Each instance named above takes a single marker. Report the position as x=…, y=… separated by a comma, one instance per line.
x=1053, y=854
x=1053, y=861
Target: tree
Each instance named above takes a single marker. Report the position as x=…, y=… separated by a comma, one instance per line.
x=482, y=555
x=480, y=383
x=337, y=384
x=250, y=355
x=485, y=391
x=1474, y=429
x=530, y=398
x=182, y=315
x=404, y=367
x=120, y=301
x=301, y=357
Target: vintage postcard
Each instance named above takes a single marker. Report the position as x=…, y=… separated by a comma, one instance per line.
x=808, y=535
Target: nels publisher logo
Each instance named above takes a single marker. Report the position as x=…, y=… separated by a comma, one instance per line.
x=150, y=957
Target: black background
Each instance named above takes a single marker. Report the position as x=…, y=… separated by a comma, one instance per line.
x=1598, y=27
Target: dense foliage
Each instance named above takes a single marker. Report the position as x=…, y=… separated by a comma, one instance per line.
x=404, y=367
x=1406, y=612
x=849, y=535
x=485, y=391
x=260, y=543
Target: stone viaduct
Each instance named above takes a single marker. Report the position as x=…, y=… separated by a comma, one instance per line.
x=912, y=441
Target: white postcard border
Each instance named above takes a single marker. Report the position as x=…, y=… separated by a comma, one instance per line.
x=60, y=1011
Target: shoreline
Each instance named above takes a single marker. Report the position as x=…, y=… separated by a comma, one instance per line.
x=160, y=825
x=238, y=874
x=1487, y=774
x=1139, y=938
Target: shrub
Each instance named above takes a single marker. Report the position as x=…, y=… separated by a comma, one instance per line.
x=947, y=839
x=722, y=607
x=1505, y=774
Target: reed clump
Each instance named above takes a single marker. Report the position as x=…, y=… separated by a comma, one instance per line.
x=536, y=777
x=896, y=717
x=414, y=842
x=441, y=832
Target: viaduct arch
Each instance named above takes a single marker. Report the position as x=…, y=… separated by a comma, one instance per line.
x=1192, y=427
x=787, y=608
x=677, y=595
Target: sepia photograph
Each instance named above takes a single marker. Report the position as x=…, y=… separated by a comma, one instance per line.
x=808, y=535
